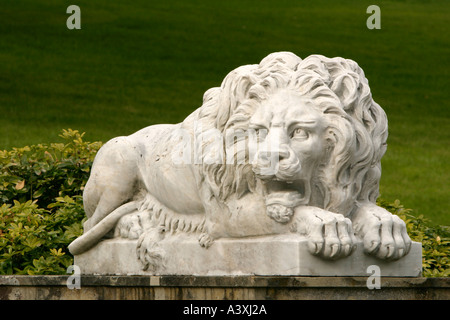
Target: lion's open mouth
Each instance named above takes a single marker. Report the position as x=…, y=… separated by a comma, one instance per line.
x=288, y=194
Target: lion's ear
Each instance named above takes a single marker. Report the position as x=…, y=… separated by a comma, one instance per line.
x=343, y=76
x=346, y=87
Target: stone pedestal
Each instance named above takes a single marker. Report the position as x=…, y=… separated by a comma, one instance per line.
x=284, y=255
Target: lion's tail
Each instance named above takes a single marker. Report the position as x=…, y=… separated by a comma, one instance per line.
x=97, y=232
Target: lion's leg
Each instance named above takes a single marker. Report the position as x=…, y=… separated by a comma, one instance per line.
x=239, y=217
x=113, y=180
x=384, y=234
x=330, y=235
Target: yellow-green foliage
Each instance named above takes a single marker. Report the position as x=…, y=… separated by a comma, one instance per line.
x=33, y=240
x=42, y=172
x=41, y=209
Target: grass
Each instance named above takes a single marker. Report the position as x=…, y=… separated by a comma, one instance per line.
x=145, y=62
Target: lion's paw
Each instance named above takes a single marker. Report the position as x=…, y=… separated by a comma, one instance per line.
x=280, y=213
x=149, y=252
x=205, y=240
x=330, y=235
x=384, y=234
x=130, y=226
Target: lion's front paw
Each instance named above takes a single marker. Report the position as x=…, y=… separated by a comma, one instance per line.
x=384, y=234
x=330, y=235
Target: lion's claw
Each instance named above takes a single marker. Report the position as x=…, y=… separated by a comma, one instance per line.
x=205, y=240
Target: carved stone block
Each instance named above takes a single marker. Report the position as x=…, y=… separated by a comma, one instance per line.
x=283, y=255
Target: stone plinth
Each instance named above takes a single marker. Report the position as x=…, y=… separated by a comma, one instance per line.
x=283, y=255
x=229, y=288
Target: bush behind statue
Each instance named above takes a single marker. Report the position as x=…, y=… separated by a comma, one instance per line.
x=41, y=209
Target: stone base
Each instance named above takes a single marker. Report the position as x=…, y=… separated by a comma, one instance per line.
x=284, y=255
x=233, y=289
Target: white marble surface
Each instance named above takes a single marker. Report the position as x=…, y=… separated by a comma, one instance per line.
x=285, y=255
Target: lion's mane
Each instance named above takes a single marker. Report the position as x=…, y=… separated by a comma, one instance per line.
x=356, y=133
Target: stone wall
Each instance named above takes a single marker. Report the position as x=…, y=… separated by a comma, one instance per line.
x=219, y=288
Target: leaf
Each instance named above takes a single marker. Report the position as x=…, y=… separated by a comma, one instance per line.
x=32, y=242
x=57, y=253
x=20, y=185
x=48, y=155
x=38, y=193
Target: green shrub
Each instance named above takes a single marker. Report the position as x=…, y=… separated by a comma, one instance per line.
x=42, y=172
x=41, y=209
x=34, y=240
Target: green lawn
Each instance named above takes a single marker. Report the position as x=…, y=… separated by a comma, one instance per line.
x=143, y=62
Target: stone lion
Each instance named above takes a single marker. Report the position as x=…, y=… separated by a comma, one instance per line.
x=286, y=145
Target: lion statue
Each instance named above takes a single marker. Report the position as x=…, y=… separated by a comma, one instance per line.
x=286, y=145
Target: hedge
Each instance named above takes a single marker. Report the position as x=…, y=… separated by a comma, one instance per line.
x=41, y=209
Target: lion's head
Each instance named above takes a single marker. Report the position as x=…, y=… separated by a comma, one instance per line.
x=312, y=133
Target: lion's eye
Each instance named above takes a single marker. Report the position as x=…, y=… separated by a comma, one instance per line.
x=299, y=133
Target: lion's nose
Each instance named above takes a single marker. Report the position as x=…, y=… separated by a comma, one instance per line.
x=283, y=154
x=278, y=154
